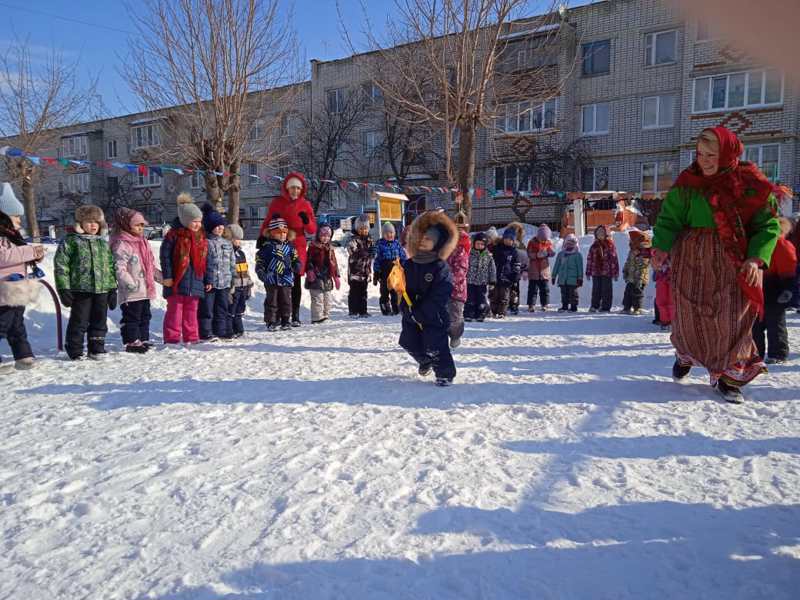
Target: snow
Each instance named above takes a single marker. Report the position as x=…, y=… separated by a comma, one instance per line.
x=316, y=464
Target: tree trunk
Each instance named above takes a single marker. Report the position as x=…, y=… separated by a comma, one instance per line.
x=213, y=191
x=466, y=167
x=29, y=201
x=234, y=191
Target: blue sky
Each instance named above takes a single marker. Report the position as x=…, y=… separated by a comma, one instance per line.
x=94, y=32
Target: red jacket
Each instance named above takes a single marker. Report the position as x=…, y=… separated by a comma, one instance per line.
x=459, y=264
x=289, y=210
x=784, y=260
x=602, y=260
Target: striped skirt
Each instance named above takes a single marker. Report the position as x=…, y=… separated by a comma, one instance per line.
x=713, y=322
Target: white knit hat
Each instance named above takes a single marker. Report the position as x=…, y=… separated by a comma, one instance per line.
x=294, y=182
x=9, y=203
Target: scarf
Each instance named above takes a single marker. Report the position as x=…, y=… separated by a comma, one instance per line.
x=425, y=257
x=736, y=193
x=142, y=248
x=189, y=247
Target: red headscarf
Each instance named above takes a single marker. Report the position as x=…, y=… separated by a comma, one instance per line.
x=736, y=193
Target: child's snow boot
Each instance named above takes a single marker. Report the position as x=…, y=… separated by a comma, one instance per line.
x=425, y=369
x=23, y=364
x=443, y=381
x=680, y=371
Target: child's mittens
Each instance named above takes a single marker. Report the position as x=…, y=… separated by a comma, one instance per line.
x=337, y=283
x=580, y=282
x=785, y=297
x=66, y=297
x=303, y=217
x=311, y=276
x=112, y=299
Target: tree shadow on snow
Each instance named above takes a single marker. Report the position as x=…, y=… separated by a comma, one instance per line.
x=649, y=550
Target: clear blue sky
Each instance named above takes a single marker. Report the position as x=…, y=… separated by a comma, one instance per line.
x=95, y=31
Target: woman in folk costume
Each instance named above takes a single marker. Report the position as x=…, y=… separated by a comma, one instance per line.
x=719, y=225
x=292, y=207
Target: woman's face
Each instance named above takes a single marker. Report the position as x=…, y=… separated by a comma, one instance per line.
x=707, y=158
x=195, y=225
x=294, y=192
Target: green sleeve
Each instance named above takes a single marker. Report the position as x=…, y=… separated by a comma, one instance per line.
x=112, y=269
x=764, y=230
x=61, y=264
x=672, y=220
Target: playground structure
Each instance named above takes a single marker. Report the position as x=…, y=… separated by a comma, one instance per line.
x=617, y=211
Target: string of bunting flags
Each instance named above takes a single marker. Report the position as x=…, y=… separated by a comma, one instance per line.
x=344, y=184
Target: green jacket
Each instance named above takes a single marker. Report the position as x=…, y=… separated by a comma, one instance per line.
x=636, y=269
x=84, y=263
x=688, y=209
x=568, y=268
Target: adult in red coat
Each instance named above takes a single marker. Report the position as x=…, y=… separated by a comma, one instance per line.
x=293, y=208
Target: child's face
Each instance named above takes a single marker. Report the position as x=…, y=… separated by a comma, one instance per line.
x=90, y=227
x=137, y=229
x=480, y=246
x=195, y=225
x=362, y=231
x=236, y=243
x=426, y=244
x=218, y=230
x=16, y=221
x=508, y=241
x=280, y=234
x=601, y=234
x=388, y=235
x=325, y=237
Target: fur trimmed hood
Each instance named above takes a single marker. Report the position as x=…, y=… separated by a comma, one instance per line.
x=519, y=231
x=90, y=212
x=424, y=222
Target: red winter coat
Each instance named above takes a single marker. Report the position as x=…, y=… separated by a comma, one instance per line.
x=539, y=266
x=289, y=210
x=602, y=260
x=459, y=265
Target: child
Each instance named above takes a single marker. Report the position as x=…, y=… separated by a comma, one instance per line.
x=459, y=264
x=87, y=282
x=215, y=306
x=322, y=274
x=540, y=251
x=136, y=275
x=386, y=251
x=481, y=274
x=602, y=266
x=513, y=297
x=664, y=306
x=429, y=284
x=277, y=263
x=361, y=251
x=568, y=273
x=506, y=260
x=183, y=256
x=17, y=288
x=778, y=287
x=242, y=286
x=636, y=272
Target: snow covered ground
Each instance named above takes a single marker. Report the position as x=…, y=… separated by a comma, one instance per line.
x=315, y=464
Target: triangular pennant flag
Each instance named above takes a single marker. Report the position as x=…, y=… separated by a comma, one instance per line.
x=64, y=162
x=34, y=159
x=156, y=170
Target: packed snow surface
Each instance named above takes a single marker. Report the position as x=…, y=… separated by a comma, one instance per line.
x=316, y=464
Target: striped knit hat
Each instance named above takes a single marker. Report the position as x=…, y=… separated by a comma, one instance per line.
x=277, y=223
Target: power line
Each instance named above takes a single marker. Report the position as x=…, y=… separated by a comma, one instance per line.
x=70, y=19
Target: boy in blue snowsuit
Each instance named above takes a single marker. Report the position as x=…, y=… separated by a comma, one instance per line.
x=386, y=251
x=429, y=283
x=277, y=264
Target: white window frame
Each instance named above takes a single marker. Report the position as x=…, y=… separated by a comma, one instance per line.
x=253, y=211
x=152, y=179
x=594, y=186
x=656, y=164
x=710, y=32
x=594, y=130
x=111, y=149
x=254, y=169
x=591, y=45
x=513, y=114
x=74, y=146
x=372, y=92
x=760, y=159
x=708, y=81
x=370, y=141
x=195, y=180
x=256, y=131
x=650, y=45
x=341, y=99
x=151, y=137
x=516, y=187
x=659, y=102
x=78, y=183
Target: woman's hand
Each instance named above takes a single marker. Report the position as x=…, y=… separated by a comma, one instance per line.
x=750, y=270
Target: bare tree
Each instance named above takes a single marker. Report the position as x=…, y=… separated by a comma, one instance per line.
x=214, y=70
x=331, y=134
x=37, y=95
x=441, y=64
x=549, y=165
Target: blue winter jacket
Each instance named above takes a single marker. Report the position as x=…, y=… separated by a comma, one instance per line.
x=277, y=263
x=386, y=252
x=191, y=284
x=429, y=287
x=506, y=260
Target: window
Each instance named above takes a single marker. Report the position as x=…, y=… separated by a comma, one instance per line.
x=145, y=136
x=196, y=181
x=595, y=119
x=112, y=185
x=152, y=179
x=661, y=48
x=256, y=131
x=738, y=90
x=336, y=100
x=594, y=179
x=372, y=140
x=705, y=31
x=254, y=212
x=285, y=132
x=658, y=111
x=767, y=157
x=511, y=178
x=597, y=58
x=74, y=146
x=253, y=174
x=372, y=93
x=78, y=183
x=527, y=116
x=658, y=176
x=111, y=149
